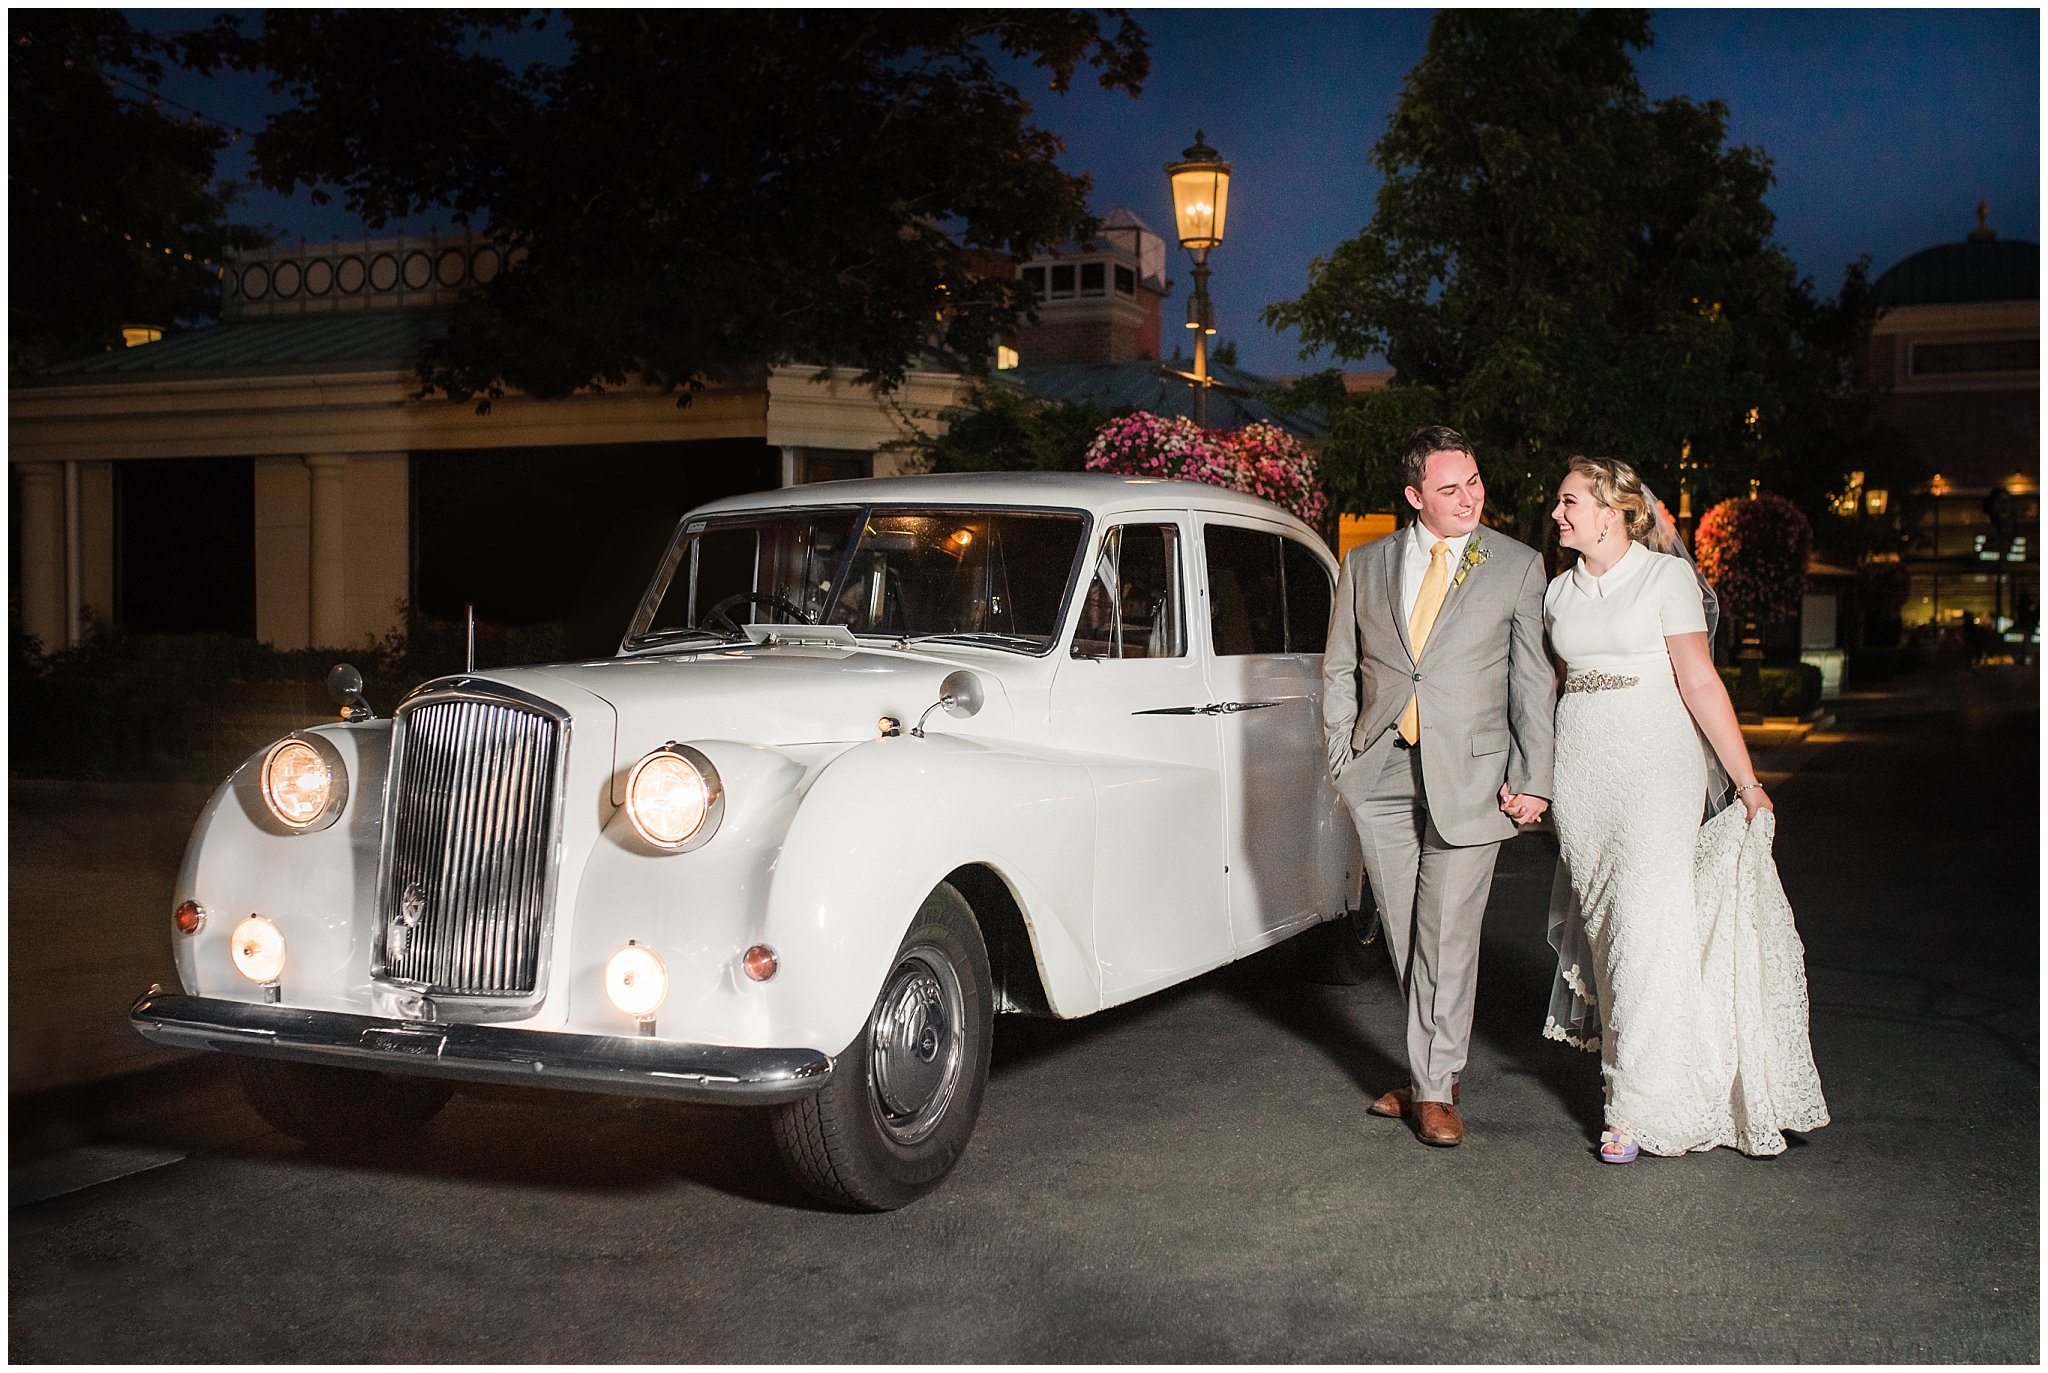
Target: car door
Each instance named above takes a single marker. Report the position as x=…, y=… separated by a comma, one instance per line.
x=1131, y=698
x=1288, y=845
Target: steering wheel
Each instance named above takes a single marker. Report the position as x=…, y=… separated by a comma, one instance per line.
x=767, y=598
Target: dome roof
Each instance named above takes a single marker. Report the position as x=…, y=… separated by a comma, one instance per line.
x=1968, y=273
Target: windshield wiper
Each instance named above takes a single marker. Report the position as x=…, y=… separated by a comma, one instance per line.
x=662, y=636
x=995, y=638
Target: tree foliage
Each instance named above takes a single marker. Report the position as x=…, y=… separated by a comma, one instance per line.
x=1557, y=265
x=999, y=427
x=113, y=216
x=693, y=196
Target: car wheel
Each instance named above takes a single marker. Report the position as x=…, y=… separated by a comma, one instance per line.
x=1347, y=951
x=339, y=1107
x=903, y=1098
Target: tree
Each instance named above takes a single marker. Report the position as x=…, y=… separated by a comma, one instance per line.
x=693, y=196
x=1000, y=427
x=113, y=216
x=1556, y=265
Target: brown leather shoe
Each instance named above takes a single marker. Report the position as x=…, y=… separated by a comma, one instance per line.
x=1395, y=1104
x=1438, y=1124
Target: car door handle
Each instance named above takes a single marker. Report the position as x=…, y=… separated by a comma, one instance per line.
x=1218, y=708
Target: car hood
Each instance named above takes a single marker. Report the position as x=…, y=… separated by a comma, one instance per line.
x=782, y=695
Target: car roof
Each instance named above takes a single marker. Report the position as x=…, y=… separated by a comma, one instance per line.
x=1099, y=493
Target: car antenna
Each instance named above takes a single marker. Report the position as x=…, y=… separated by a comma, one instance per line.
x=469, y=624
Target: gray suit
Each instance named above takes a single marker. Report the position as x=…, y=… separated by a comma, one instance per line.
x=1429, y=818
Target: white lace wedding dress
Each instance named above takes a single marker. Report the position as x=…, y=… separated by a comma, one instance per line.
x=1677, y=958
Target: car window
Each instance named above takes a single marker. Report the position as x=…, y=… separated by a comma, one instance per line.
x=1246, y=605
x=996, y=573
x=1267, y=594
x=999, y=576
x=763, y=569
x=1133, y=608
x=1308, y=597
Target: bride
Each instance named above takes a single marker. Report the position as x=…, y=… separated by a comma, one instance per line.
x=1677, y=959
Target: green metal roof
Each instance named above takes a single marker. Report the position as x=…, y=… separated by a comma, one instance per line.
x=1151, y=386
x=1969, y=273
x=363, y=340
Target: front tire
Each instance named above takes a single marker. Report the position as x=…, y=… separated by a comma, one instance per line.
x=1346, y=952
x=339, y=1107
x=903, y=1098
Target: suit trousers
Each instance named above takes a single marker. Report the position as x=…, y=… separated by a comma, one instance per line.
x=1432, y=900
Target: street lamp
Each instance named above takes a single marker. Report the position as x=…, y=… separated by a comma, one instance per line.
x=1201, y=195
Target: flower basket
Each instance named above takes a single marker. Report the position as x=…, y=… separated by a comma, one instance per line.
x=1260, y=459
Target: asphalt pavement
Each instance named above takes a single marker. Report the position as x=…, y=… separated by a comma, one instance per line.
x=1190, y=1178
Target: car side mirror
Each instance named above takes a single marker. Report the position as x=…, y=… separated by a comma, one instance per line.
x=960, y=695
x=345, y=685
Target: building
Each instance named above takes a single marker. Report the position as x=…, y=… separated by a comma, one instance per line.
x=1098, y=336
x=1954, y=363
x=276, y=476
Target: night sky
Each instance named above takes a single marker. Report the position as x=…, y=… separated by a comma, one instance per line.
x=1886, y=127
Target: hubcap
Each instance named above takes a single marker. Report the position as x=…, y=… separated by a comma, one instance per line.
x=915, y=1044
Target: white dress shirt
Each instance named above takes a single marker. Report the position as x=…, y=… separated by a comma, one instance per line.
x=1415, y=563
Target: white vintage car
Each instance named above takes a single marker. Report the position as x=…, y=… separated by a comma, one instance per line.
x=875, y=761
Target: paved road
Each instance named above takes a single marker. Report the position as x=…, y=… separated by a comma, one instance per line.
x=1193, y=1178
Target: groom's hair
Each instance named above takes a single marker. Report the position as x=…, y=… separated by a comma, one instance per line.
x=1431, y=438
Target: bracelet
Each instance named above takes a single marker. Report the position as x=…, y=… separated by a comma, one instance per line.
x=1753, y=786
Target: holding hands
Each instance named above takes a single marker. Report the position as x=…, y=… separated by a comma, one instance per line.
x=1523, y=810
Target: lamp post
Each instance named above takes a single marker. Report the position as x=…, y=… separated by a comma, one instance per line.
x=1201, y=194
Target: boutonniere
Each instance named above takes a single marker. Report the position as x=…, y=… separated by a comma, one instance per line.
x=1475, y=554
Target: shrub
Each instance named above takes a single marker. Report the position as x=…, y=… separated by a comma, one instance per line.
x=1791, y=690
x=1754, y=552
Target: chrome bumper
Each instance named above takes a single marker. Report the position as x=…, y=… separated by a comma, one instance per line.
x=485, y=1053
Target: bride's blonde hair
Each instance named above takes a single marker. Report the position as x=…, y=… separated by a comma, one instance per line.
x=1617, y=487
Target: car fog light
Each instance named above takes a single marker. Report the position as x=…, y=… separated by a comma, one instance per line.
x=296, y=782
x=635, y=980
x=674, y=798
x=257, y=947
x=759, y=962
x=190, y=917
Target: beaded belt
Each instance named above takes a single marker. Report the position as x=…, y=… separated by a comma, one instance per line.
x=1597, y=681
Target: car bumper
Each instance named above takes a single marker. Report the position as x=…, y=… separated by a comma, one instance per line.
x=620, y=1064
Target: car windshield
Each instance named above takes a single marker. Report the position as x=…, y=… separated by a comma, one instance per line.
x=996, y=576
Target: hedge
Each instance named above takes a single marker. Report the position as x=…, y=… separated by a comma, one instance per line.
x=1791, y=690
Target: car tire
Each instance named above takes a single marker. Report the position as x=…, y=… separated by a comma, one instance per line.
x=1346, y=952
x=903, y=1097
x=339, y=1107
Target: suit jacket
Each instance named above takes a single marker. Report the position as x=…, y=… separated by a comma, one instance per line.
x=1485, y=691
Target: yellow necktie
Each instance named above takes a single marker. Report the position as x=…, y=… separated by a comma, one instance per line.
x=1422, y=619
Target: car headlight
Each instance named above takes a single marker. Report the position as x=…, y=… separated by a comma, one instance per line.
x=674, y=798
x=636, y=981
x=257, y=947
x=299, y=783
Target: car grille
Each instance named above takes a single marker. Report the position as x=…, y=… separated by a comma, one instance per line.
x=466, y=896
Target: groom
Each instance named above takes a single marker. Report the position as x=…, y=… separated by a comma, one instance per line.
x=1437, y=701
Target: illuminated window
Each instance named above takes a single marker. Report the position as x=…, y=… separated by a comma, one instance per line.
x=1006, y=357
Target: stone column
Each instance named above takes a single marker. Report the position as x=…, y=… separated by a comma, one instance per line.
x=327, y=549
x=43, y=553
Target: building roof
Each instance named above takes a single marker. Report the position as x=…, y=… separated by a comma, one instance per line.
x=358, y=340
x=1969, y=273
x=1153, y=387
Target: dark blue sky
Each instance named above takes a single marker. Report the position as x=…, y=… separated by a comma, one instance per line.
x=1885, y=127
